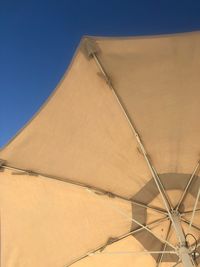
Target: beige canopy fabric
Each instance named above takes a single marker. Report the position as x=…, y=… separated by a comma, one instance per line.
x=106, y=173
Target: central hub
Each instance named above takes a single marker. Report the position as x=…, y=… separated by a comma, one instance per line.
x=175, y=213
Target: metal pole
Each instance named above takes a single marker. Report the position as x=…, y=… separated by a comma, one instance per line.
x=183, y=251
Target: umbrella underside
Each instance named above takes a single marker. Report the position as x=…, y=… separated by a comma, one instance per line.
x=106, y=173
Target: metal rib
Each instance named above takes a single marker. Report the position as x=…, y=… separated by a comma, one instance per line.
x=90, y=253
x=155, y=176
x=195, y=206
x=177, y=264
x=189, y=211
x=196, y=169
x=93, y=189
x=194, y=263
x=165, y=245
x=159, y=210
x=188, y=222
x=145, y=227
x=140, y=252
x=133, y=128
x=163, y=189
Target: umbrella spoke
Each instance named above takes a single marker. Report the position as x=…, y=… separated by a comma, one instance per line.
x=195, y=206
x=188, y=222
x=159, y=210
x=97, y=191
x=164, y=246
x=194, y=263
x=143, y=226
x=114, y=240
x=140, y=252
x=196, y=169
x=189, y=211
x=177, y=264
x=154, y=174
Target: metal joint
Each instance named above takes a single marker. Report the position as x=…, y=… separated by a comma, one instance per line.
x=106, y=193
x=109, y=242
x=31, y=173
x=109, y=194
x=2, y=163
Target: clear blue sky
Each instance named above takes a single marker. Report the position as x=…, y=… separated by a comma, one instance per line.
x=38, y=39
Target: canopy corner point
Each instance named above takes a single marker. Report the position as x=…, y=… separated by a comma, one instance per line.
x=89, y=47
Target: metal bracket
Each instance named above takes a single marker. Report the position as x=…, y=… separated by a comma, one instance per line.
x=2, y=163
x=89, y=47
x=25, y=172
x=109, y=242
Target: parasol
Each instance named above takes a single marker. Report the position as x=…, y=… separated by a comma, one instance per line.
x=106, y=173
